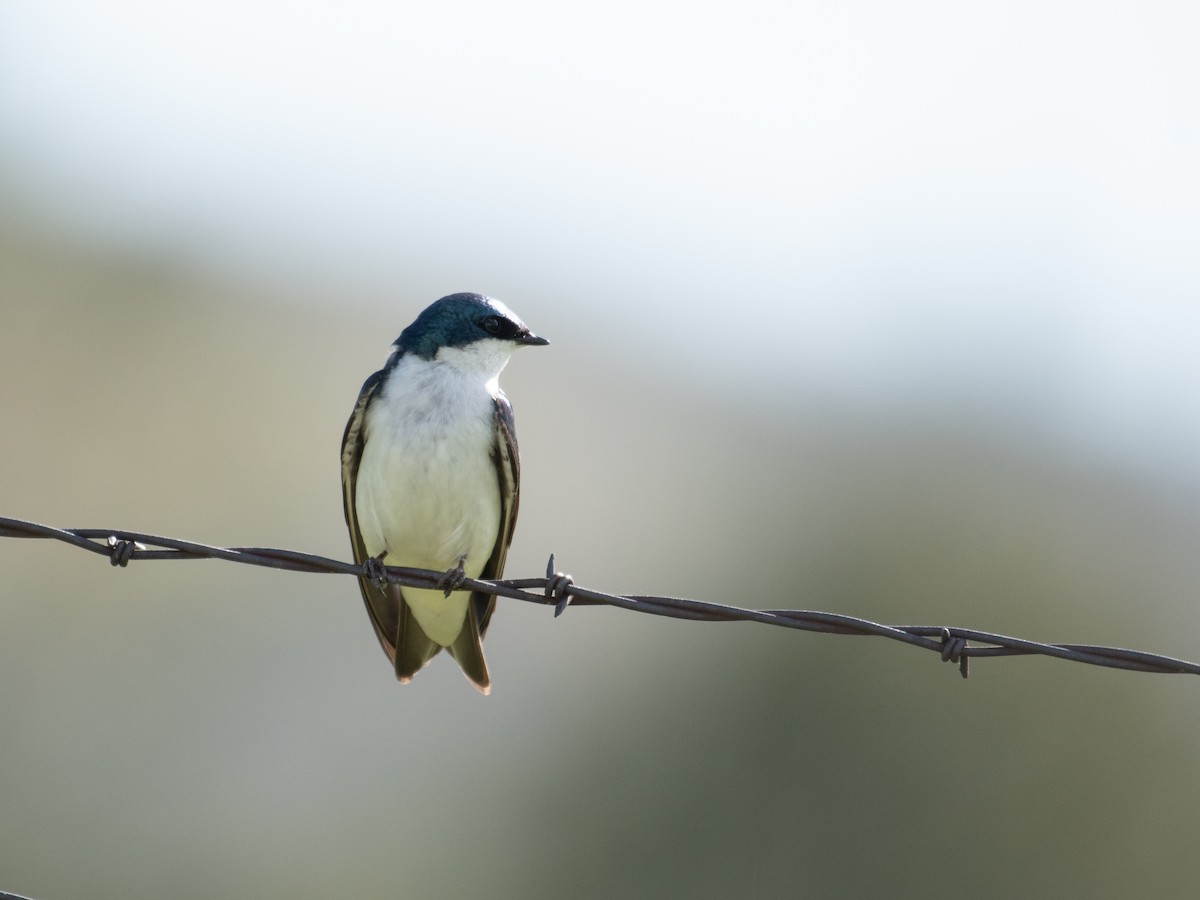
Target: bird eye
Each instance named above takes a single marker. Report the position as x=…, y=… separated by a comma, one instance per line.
x=492, y=324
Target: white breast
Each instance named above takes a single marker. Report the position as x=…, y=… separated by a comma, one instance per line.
x=427, y=489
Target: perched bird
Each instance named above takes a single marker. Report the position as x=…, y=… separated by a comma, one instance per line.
x=431, y=478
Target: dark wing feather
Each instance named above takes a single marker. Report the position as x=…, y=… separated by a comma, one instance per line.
x=508, y=472
x=394, y=623
x=467, y=649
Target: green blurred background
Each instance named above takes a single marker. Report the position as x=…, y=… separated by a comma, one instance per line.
x=882, y=311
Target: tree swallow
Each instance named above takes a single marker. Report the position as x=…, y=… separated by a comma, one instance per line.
x=431, y=478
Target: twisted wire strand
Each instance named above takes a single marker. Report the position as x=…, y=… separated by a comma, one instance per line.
x=953, y=644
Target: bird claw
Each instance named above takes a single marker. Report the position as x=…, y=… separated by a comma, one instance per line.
x=453, y=578
x=558, y=585
x=374, y=570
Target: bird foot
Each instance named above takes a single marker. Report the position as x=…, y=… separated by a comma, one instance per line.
x=373, y=569
x=558, y=586
x=453, y=578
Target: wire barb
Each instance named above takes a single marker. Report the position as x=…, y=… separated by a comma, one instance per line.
x=120, y=551
x=954, y=649
x=559, y=590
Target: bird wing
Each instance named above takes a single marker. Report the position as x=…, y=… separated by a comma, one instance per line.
x=467, y=649
x=394, y=623
x=508, y=471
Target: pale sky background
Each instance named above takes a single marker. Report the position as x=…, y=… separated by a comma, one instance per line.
x=913, y=207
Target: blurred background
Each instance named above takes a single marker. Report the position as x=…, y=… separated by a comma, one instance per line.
x=881, y=310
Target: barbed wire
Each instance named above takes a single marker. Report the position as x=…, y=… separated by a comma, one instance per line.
x=953, y=644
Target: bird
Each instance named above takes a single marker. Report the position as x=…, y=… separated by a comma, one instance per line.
x=431, y=479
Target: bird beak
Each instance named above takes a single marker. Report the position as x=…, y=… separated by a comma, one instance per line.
x=529, y=339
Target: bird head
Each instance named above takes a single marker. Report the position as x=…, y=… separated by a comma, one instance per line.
x=460, y=321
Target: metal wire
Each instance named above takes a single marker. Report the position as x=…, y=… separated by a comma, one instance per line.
x=556, y=589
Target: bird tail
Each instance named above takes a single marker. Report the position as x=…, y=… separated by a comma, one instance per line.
x=467, y=651
x=414, y=648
